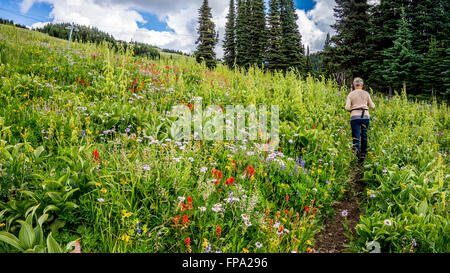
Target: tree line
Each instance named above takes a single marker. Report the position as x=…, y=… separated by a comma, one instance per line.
x=393, y=45
x=10, y=22
x=252, y=37
x=94, y=35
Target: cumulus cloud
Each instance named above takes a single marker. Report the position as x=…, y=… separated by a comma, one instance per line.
x=121, y=18
x=315, y=24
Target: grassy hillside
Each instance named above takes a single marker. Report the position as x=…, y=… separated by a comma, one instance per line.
x=86, y=155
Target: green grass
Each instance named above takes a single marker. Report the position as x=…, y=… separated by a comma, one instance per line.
x=58, y=106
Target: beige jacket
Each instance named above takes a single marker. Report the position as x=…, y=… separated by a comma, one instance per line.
x=359, y=99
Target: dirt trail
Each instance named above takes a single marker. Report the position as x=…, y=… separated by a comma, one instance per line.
x=332, y=238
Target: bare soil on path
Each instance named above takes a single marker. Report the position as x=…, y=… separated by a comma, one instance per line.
x=332, y=238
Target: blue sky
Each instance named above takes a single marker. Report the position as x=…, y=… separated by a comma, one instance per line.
x=164, y=23
x=10, y=10
x=40, y=12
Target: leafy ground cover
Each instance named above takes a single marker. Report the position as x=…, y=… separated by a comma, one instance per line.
x=87, y=160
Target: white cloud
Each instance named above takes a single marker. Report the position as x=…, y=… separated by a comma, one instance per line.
x=315, y=24
x=121, y=18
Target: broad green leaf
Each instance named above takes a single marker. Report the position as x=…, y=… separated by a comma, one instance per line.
x=36, y=249
x=42, y=219
x=49, y=208
x=11, y=240
x=26, y=235
x=55, y=196
x=52, y=245
x=39, y=235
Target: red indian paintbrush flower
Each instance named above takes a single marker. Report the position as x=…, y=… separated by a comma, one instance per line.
x=189, y=203
x=218, y=231
x=176, y=220
x=216, y=173
x=249, y=171
x=185, y=220
x=96, y=156
x=230, y=181
x=187, y=242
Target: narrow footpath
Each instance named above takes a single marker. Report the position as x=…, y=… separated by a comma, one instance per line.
x=332, y=238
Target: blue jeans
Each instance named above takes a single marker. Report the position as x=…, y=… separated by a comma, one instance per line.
x=360, y=128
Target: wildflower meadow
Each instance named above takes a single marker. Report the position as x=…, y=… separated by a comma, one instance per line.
x=88, y=162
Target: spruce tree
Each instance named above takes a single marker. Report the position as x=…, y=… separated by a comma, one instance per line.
x=229, y=44
x=350, y=41
x=258, y=33
x=430, y=71
x=383, y=24
x=328, y=64
x=430, y=19
x=401, y=59
x=274, y=36
x=207, y=39
x=243, y=41
x=293, y=54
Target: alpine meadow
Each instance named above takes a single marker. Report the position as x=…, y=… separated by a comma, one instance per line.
x=89, y=161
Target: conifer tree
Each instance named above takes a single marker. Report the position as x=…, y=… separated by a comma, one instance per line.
x=293, y=54
x=229, y=44
x=350, y=41
x=274, y=36
x=383, y=24
x=328, y=68
x=243, y=45
x=257, y=31
x=207, y=39
x=430, y=70
x=401, y=59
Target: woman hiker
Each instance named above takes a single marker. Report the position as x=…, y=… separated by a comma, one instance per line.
x=358, y=103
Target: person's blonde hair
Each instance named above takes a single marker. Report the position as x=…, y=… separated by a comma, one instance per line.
x=358, y=82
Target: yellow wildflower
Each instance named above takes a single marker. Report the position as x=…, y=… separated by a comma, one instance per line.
x=2, y=224
x=98, y=184
x=125, y=238
x=308, y=242
x=103, y=190
x=245, y=250
x=125, y=213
